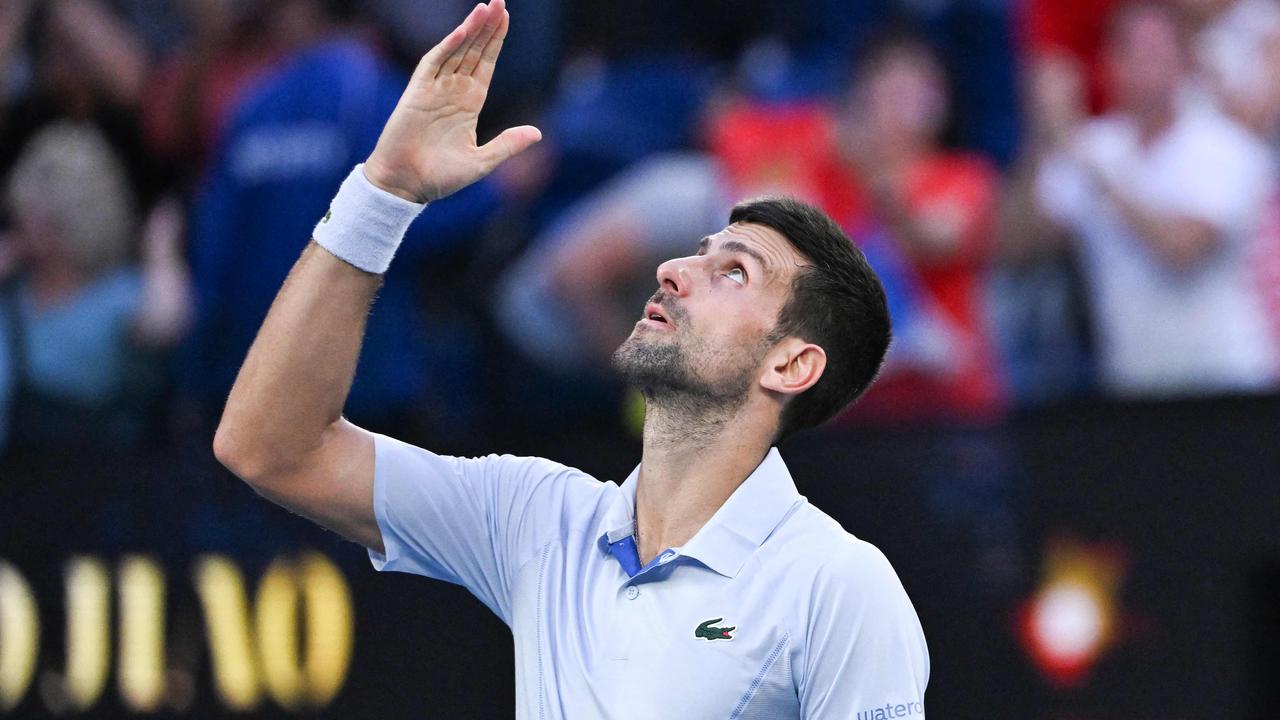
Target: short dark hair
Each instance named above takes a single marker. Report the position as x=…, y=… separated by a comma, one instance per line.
x=837, y=303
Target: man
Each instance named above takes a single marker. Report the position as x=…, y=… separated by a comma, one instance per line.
x=704, y=586
x=1165, y=198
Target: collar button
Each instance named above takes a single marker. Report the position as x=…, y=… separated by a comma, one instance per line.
x=632, y=592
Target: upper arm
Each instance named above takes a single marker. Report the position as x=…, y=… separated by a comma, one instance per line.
x=864, y=647
x=332, y=485
x=471, y=521
x=659, y=207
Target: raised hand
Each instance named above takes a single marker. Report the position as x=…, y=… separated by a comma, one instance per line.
x=428, y=148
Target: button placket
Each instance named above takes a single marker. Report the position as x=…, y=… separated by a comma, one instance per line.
x=631, y=614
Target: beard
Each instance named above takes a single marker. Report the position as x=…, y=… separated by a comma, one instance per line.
x=685, y=373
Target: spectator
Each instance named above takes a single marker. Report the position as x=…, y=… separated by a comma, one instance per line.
x=291, y=142
x=1039, y=296
x=929, y=235
x=75, y=60
x=79, y=322
x=921, y=210
x=1165, y=198
x=197, y=85
x=1237, y=50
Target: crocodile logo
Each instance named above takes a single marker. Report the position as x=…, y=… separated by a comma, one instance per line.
x=708, y=631
x=328, y=214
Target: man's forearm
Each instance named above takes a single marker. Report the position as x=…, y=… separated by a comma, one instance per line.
x=298, y=372
x=1181, y=242
x=282, y=430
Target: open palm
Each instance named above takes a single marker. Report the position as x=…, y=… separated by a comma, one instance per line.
x=428, y=148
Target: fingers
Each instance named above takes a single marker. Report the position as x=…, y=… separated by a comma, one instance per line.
x=474, y=24
x=451, y=46
x=489, y=54
x=435, y=57
x=497, y=10
x=512, y=141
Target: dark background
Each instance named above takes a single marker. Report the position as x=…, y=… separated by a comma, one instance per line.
x=1187, y=491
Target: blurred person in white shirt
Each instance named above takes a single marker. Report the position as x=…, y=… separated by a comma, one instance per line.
x=1164, y=197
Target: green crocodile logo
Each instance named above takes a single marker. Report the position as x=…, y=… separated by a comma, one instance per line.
x=328, y=214
x=707, y=631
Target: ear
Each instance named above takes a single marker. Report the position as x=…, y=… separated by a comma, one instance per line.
x=793, y=366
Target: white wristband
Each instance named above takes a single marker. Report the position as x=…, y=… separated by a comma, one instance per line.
x=365, y=224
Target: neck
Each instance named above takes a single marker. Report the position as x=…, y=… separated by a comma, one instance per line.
x=887, y=158
x=693, y=461
x=1153, y=120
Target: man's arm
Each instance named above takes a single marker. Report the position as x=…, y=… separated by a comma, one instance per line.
x=282, y=430
x=1181, y=241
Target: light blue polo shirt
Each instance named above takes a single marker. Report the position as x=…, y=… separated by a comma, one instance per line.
x=771, y=610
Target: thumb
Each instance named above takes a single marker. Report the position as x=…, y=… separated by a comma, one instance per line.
x=511, y=142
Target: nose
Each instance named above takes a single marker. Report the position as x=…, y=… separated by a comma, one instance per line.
x=674, y=278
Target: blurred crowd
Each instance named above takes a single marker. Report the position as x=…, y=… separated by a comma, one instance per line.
x=1064, y=198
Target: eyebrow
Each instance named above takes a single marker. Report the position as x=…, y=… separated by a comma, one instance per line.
x=736, y=246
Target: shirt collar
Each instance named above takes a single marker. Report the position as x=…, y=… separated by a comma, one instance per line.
x=740, y=526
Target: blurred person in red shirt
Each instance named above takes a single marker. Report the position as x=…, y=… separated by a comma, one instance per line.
x=875, y=164
x=656, y=208
x=926, y=225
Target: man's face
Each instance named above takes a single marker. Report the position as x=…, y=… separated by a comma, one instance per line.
x=705, y=333
x=904, y=101
x=1146, y=61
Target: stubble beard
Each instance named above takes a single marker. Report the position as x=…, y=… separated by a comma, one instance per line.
x=679, y=401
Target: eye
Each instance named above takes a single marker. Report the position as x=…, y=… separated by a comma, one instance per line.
x=737, y=275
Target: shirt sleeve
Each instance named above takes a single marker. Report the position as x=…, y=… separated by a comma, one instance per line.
x=864, y=648
x=686, y=186
x=1063, y=191
x=471, y=521
x=1224, y=178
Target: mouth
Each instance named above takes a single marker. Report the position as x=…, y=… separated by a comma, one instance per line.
x=656, y=318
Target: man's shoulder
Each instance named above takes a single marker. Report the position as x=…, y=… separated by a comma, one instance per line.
x=1206, y=135
x=497, y=465
x=822, y=548
x=337, y=66
x=840, y=579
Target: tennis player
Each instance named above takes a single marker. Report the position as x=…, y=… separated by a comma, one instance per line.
x=705, y=586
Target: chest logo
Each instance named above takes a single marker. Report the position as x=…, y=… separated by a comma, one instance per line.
x=709, y=631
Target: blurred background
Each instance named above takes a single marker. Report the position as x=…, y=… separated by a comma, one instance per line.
x=1071, y=457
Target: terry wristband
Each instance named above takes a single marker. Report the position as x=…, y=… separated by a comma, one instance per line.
x=365, y=224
